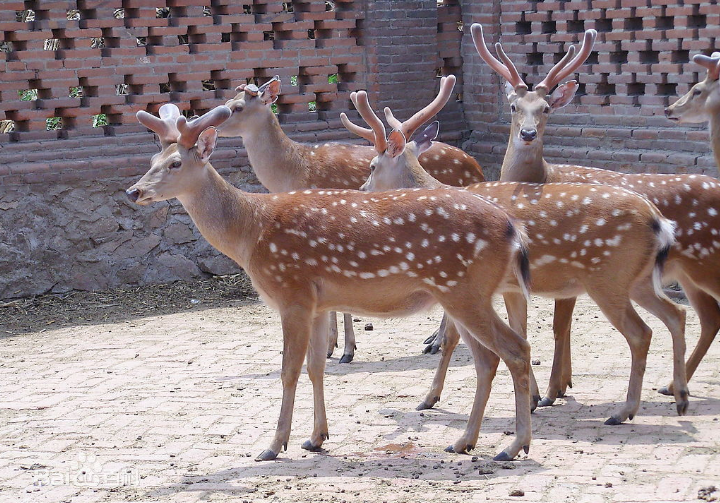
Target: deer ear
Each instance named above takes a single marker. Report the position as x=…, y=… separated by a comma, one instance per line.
x=424, y=140
x=206, y=144
x=271, y=92
x=395, y=144
x=563, y=94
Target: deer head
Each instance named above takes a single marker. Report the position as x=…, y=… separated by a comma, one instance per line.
x=187, y=146
x=530, y=109
x=249, y=102
x=703, y=100
x=394, y=152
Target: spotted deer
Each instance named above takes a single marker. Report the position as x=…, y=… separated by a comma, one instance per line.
x=608, y=242
x=282, y=164
x=702, y=102
x=308, y=252
x=691, y=201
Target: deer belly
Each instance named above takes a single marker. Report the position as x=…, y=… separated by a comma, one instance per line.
x=549, y=282
x=380, y=302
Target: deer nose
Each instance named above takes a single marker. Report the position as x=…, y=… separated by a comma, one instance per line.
x=133, y=194
x=528, y=134
x=667, y=112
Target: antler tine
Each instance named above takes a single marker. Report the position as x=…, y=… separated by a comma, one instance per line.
x=561, y=70
x=476, y=31
x=163, y=126
x=547, y=82
x=392, y=121
x=511, y=67
x=418, y=119
x=360, y=100
x=190, y=130
x=362, y=132
x=712, y=63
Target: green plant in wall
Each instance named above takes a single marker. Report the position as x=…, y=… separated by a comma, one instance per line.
x=99, y=120
x=28, y=94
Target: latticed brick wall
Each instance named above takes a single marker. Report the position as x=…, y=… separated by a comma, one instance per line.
x=78, y=71
x=641, y=63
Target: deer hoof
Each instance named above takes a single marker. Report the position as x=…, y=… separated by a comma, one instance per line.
x=266, y=455
x=613, y=421
x=526, y=448
x=346, y=358
x=309, y=446
x=431, y=339
x=535, y=402
x=682, y=407
x=665, y=390
x=546, y=402
x=503, y=456
x=428, y=405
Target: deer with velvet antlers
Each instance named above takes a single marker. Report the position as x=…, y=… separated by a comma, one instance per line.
x=691, y=201
x=282, y=164
x=607, y=242
x=312, y=251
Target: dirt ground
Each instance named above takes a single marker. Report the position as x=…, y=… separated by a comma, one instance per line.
x=168, y=393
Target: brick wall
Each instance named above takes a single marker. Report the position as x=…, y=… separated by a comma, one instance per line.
x=641, y=63
x=74, y=73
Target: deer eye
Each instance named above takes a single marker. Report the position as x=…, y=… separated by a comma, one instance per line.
x=372, y=168
x=696, y=92
x=547, y=110
x=176, y=165
x=513, y=108
x=238, y=109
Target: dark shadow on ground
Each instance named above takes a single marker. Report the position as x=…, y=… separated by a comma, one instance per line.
x=76, y=308
x=417, y=464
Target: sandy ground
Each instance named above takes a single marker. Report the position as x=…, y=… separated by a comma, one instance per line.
x=175, y=406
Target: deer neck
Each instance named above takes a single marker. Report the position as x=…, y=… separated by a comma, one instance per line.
x=524, y=163
x=228, y=218
x=715, y=137
x=276, y=159
x=415, y=176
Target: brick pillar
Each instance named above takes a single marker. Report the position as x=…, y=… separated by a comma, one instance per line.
x=483, y=98
x=400, y=37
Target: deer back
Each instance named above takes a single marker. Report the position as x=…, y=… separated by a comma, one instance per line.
x=345, y=246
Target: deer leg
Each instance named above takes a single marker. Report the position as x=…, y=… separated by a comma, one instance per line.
x=516, y=306
x=485, y=326
x=674, y=319
x=708, y=311
x=625, y=319
x=435, y=341
x=296, y=326
x=350, y=346
x=316, y=372
x=561, y=373
x=333, y=333
x=486, y=363
x=450, y=338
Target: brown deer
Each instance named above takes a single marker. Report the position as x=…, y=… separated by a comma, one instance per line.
x=282, y=164
x=607, y=242
x=312, y=251
x=692, y=201
x=702, y=102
